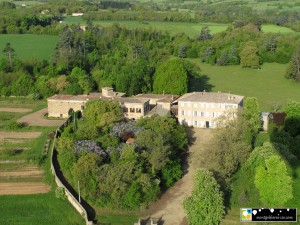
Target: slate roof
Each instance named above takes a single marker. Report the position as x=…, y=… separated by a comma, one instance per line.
x=211, y=97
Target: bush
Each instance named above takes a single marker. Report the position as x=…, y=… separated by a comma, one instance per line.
x=15, y=125
x=60, y=193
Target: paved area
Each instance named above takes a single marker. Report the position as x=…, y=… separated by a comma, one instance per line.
x=169, y=207
x=38, y=119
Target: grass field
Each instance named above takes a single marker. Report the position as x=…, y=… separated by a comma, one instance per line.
x=39, y=209
x=29, y=46
x=191, y=29
x=267, y=84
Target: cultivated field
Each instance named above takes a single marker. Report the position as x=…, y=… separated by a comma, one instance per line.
x=267, y=84
x=25, y=191
x=29, y=46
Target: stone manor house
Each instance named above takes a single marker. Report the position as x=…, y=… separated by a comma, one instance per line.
x=197, y=109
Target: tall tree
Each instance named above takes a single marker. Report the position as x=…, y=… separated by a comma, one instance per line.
x=205, y=206
x=205, y=34
x=293, y=71
x=273, y=182
x=171, y=78
x=9, y=54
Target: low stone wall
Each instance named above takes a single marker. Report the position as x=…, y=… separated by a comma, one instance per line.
x=75, y=203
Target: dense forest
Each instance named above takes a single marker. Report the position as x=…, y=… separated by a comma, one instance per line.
x=85, y=61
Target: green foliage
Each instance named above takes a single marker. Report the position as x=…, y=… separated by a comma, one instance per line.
x=205, y=206
x=170, y=78
x=66, y=156
x=102, y=113
x=60, y=193
x=251, y=113
x=228, y=150
x=15, y=125
x=84, y=171
x=293, y=71
x=273, y=182
x=171, y=173
x=292, y=120
x=249, y=56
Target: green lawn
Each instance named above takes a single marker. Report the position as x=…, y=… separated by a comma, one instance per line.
x=191, y=29
x=39, y=209
x=29, y=46
x=271, y=28
x=267, y=84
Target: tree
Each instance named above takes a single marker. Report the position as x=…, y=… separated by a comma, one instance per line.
x=251, y=113
x=182, y=51
x=170, y=78
x=205, y=206
x=205, y=34
x=292, y=120
x=9, y=54
x=293, y=71
x=224, y=59
x=85, y=171
x=102, y=113
x=273, y=182
x=228, y=150
x=249, y=55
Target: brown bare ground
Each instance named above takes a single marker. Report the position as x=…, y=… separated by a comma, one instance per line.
x=13, y=141
x=21, y=172
x=169, y=207
x=23, y=188
x=4, y=135
x=16, y=110
x=37, y=119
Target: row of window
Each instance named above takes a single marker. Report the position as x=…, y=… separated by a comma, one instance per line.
x=209, y=105
x=200, y=114
x=132, y=110
x=203, y=124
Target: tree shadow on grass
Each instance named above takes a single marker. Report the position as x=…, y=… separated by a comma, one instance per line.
x=199, y=83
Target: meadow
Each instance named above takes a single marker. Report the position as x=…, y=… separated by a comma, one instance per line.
x=268, y=84
x=191, y=29
x=28, y=46
x=37, y=209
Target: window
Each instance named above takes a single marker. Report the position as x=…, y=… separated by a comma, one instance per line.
x=201, y=105
x=195, y=123
x=82, y=107
x=212, y=106
x=138, y=110
x=202, y=123
x=195, y=105
x=189, y=113
x=213, y=114
x=132, y=110
x=220, y=106
x=202, y=114
x=212, y=124
x=182, y=104
x=125, y=109
x=189, y=104
x=182, y=112
x=195, y=113
x=207, y=114
x=61, y=115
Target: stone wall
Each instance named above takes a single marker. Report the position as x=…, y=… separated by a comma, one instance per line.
x=58, y=108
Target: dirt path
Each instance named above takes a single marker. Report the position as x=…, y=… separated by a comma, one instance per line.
x=16, y=110
x=37, y=119
x=4, y=135
x=169, y=206
x=23, y=188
